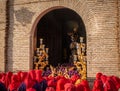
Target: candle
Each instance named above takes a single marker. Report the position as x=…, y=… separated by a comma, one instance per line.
x=75, y=57
x=43, y=47
x=37, y=50
x=78, y=52
x=83, y=47
x=41, y=41
x=35, y=58
x=46, y=58
x=77, y=45
x=81, y=39
x=47, y=50
x=40, y=52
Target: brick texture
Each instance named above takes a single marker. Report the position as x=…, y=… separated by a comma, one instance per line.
x=2, y=34
x=119, y=32
x=101, y=19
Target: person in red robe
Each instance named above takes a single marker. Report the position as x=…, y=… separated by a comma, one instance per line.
x=74, y=78
x=104, y=79
x=109, y=85
x=79, y=87
x=23, y=76
x=29, y=82
x=8, y=79
x=2, y=87
x=60, y=83
x=52, y=83
x=41, y=83
x=98, y=85
x=14, y=83
x=38, y=75
x=33, y=75
x=50, y=89
x=69, y=87
x=85, y=84
x=116, y=82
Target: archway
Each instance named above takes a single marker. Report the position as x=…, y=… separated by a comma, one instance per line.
x=54, y=27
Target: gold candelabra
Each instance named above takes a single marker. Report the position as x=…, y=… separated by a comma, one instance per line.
x=80, y=59
x=41, y=58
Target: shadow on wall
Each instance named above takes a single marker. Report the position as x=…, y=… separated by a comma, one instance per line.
x=9, y=35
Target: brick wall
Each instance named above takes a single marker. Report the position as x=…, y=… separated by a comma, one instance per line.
x=119, y=31
x=99, y=17
x=102, y=38
x=2, y=34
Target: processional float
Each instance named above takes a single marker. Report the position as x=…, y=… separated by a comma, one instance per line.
x=79, y=58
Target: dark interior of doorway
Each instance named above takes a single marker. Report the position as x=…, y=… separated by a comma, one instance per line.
x=54, y=27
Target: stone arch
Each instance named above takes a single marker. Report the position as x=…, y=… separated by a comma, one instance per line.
x=36, y=22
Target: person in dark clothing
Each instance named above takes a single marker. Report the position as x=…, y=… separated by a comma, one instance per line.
x=2, y=87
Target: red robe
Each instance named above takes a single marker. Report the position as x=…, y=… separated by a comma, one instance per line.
x=69, y=87
x=98, y=85
x=15, y=83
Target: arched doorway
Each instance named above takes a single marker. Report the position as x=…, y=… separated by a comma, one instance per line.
x=55, y=28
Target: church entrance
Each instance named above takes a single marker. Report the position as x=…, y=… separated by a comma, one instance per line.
x=56, y=28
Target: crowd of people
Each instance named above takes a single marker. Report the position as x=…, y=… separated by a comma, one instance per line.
x=106, y=83
x=34, y=80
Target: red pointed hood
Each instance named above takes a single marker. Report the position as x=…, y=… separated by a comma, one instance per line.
x=98, y=75
x=14, y=83
x=29, y=82
x=38, y=75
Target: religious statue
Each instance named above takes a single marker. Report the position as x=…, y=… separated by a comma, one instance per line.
x=74, y=36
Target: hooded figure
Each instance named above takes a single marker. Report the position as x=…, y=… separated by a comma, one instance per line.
x=110, y=86
x=116, y=82
x=52, y=83
x=2, y=87
x=22, y=86
x=8, y=79
x=14, y=83
x=38, y=75
x=33, y=75
x=69, y=87
x=60, y=84
x=41, y=86
x=3, y=78
x=50, y=89
x=23, y=76
x=74, y=78
x=79, y=87
x=85, y=84
x=98, y=85
x=41, y=83
x=104, y=79
x=27, y=84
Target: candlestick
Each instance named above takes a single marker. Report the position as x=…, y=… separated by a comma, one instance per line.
x=37, y=50
x=43, y=47
x=78, y=52
x=77, y=46
x=41, y=41
x=81, y=39
x=75, y=57
x=35, y=58
x=40, y=52
x=46, y=58
x=47, y=50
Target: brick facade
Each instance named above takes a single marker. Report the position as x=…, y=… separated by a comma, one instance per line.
x=2, y=34
x=101, y=19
